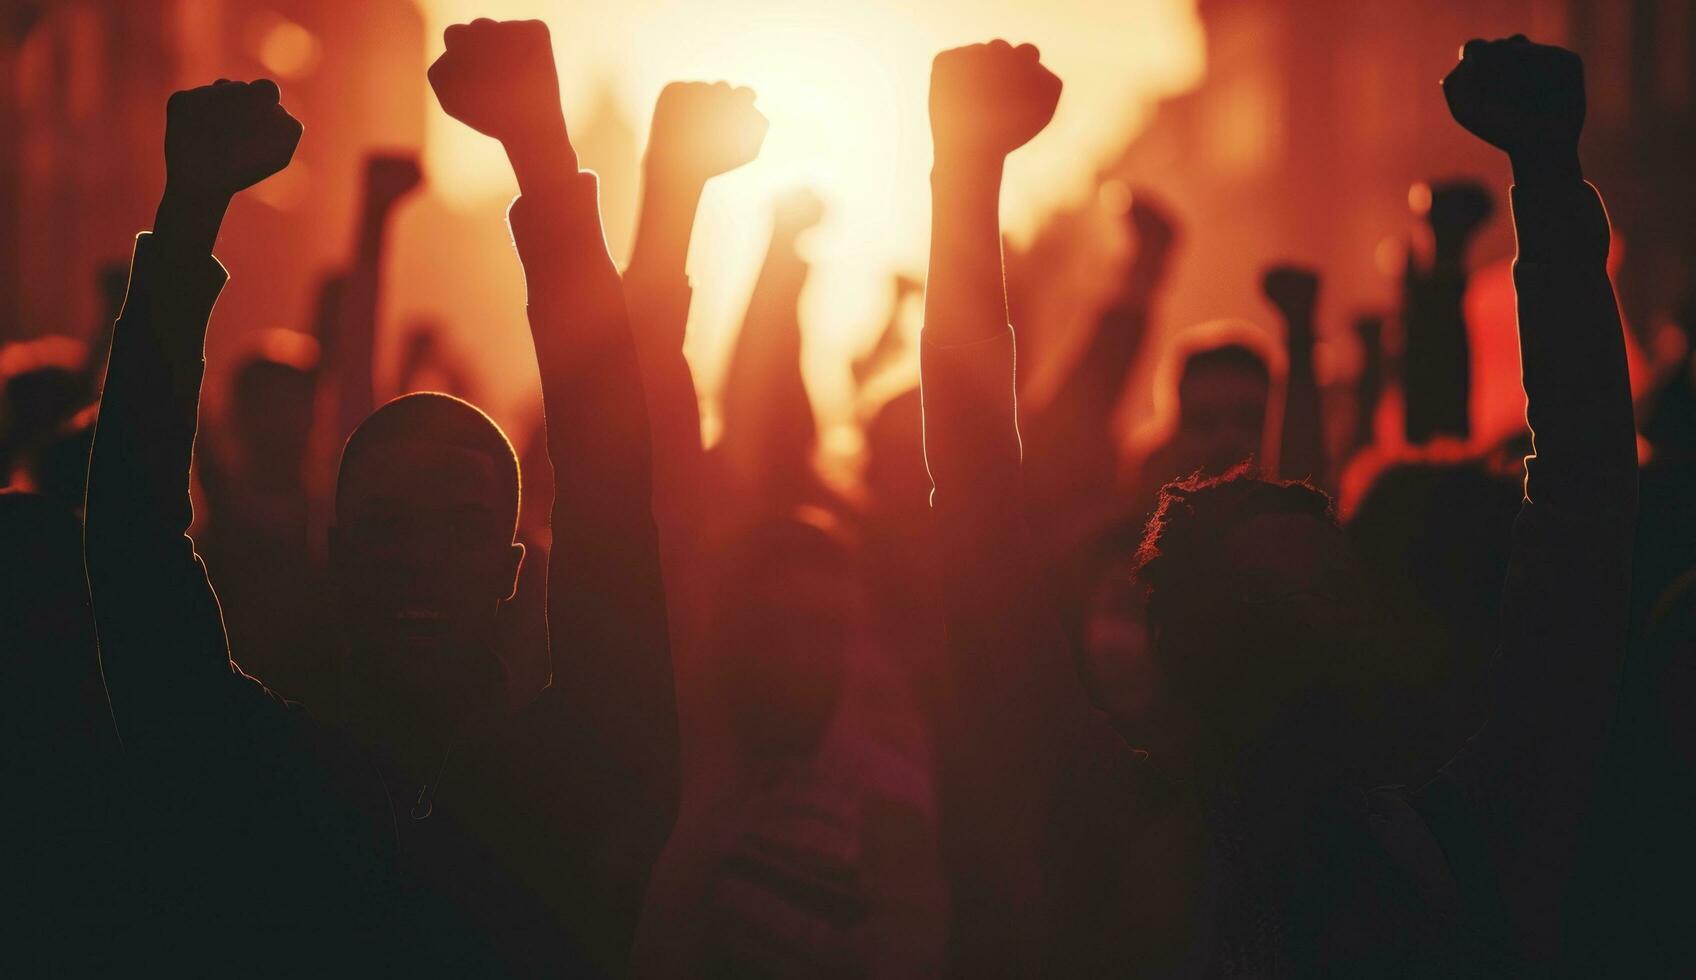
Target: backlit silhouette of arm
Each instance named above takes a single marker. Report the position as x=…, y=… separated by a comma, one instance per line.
x=162, y=641
x=699, y=131
x=1532, y=770
x=1436, y=351
x=996, y=746
x=606, y=601
x=351, y=343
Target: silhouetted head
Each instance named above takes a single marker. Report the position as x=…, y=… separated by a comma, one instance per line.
x=47, y=652
x=1222, y=398
x=422, y=550
x=38, y=400
x=271, y=404
x=1256, y=618
x=60, y=467
x=789, y=616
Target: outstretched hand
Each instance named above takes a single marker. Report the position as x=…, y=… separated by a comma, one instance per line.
x=1524, y=99
x=987, y=100
x=220, y=139
x=701, y=130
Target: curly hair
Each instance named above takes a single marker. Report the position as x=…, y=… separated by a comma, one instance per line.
x=1182, y=542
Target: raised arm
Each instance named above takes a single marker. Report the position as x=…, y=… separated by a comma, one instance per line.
x=606, y=601
x=350, y=344
x=699, y=131
x=769, y=428
x=1436, y=354
x=162, y=643
x=1072, y=455
x=1531, y=772
x=1294, y=292
x=997, y=749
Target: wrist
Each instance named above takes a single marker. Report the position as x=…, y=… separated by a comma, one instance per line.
x=1546, y=166
x=953, y=166
x=541, y=156
x=672, y=184
x=189, y=217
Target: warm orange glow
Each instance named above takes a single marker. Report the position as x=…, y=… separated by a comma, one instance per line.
x=844, y=86
x=286, y=49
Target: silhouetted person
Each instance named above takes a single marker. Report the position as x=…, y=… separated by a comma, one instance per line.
x=1222, y=398
x=64, y=876
x=1262, y=641
x=426, y=828
x=1072, y=444
x=1436, y=369
x=33, y=405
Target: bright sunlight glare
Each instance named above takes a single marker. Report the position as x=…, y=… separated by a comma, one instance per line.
x=844, y=85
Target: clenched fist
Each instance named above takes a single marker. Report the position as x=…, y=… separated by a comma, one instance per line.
x=701, y=130
x=226, y=137
x=1523, y=98
x=987, y=100
x=498, y=77
x=390, y=177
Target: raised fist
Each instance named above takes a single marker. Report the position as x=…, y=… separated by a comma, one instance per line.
x=227, y=136
x=1294, y=290
x=498, y=77
x=987, y=100
x=1457, y=208
x=1519, y=97
x=390, y=177
x=704, y=129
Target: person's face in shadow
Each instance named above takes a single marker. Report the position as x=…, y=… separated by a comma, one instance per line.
x=273, y=408
x=1276, y=650
x=422, y=558
x=1221, y=416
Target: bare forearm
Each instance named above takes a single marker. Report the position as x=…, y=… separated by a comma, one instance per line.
x=966, y=295
x=541, y=159
x=665, y=224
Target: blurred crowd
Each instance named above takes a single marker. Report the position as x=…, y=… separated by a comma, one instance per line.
x=331, y=684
